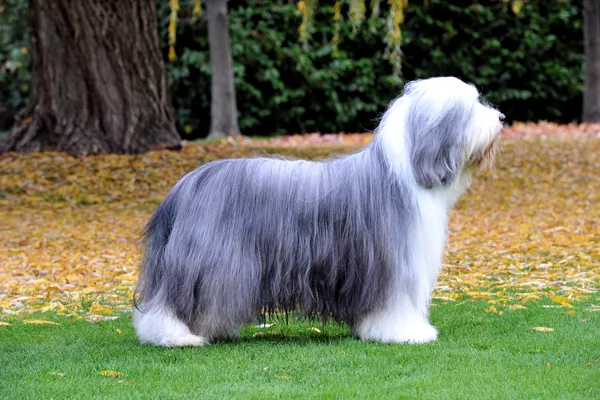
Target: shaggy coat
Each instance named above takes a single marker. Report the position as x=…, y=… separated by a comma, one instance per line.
x=358, y=238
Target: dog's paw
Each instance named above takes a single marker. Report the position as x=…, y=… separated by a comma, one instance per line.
x=412, y=333
x=184, y=341
x=417, y=334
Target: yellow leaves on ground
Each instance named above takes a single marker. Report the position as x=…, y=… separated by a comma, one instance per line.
x=108, y=372
x=39, y=322
x=2, y=323
x=97, y=308
x=528, y=230
x=517, y=307
x=542, y=329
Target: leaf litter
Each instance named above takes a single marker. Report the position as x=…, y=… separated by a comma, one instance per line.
x=527, y=230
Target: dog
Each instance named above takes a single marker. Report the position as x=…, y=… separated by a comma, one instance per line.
x=357, y=238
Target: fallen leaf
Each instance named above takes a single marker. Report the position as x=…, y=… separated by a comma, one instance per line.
x=543, y=329
x=2, y=323
x=591, y=362
x=39, y=322
x=571, y=312
x=517, y=307
x=97, y=318
x=97, y=308
x=313, y=329
x=114, y=374
x=282, y=377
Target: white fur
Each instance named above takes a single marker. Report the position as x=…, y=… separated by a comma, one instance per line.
x=161, y=328
x=405, y=320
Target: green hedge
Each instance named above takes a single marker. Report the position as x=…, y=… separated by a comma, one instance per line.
x=14, y=59
x=529, y=64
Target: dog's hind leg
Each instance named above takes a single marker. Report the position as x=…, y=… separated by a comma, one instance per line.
x=162, y=328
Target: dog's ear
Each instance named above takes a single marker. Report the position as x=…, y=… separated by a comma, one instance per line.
x=436, y=129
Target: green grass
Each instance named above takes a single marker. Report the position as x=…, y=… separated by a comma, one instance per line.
x=478, y=355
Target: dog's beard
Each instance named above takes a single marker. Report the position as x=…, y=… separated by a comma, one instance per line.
x=486, y=159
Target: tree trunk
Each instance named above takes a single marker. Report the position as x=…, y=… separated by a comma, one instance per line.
x=223, y=109
x=98, y=81
x=591, y=33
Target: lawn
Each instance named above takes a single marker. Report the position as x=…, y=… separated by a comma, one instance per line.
x=479, y=355
x=523, y=253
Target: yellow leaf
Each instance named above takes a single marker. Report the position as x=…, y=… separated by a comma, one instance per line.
x=548, y=366
x=517, y=307
x=197, y=11
x=172, y=55
x=560, y=299
x=2, y=323
x=114, y=374
x=571, y=312
x=118, y=331
x=97, y=308
x=282, y=377
x=314, y=329
x=517, y=5
x=543, y=329
x=491, y=309
x=591, y=362
x=39, y=322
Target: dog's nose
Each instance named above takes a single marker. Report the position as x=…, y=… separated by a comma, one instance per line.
x=502, y=117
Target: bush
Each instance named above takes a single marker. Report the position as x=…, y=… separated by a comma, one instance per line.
x=280, y=87
x=529, y=64
x=14, y=59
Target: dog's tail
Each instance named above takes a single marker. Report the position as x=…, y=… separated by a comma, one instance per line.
x=155, y=237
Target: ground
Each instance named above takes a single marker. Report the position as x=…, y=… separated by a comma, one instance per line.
x=522, y=268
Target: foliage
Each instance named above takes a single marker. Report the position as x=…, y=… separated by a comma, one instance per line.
x=14, y=54
x=479, y=355
x=280, y=86
x=526, y=57
x=529, y=63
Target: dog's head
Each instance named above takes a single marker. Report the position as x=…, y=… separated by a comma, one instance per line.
x=448, y=129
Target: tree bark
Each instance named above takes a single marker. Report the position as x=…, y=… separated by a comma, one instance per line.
x=223, y=109
x=591, y=33
x=98, y=81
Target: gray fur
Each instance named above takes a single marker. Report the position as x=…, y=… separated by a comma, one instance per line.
x=237, y=237
x=437, y=135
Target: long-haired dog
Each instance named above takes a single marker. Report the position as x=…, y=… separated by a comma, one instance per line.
x=359, y=238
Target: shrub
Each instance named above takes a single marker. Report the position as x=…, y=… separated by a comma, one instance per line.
x=529, y=64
